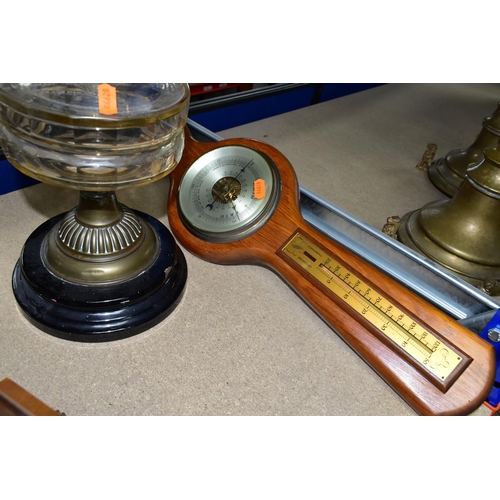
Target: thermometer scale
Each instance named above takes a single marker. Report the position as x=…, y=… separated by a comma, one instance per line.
x=237, y=202
x=424, y=348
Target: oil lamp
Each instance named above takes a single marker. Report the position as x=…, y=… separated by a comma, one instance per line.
x=102, y=271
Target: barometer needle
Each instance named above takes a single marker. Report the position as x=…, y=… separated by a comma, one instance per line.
x=235, y=211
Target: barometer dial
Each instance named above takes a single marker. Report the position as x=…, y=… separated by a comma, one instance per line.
x=228, y=193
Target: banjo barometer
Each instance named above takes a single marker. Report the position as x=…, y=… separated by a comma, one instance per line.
x=237, y=202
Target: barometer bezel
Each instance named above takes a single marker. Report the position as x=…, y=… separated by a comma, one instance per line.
x=212, y=231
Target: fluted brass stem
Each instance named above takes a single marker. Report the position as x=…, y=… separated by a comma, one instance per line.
x=100, y=241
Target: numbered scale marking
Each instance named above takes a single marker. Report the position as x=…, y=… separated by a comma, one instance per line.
x=426, y=349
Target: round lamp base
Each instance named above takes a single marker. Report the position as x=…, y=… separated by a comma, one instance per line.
x=103, y=312
x=411, y=234
x=443, y=178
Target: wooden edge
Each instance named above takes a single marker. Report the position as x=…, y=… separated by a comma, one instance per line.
x=16, y=401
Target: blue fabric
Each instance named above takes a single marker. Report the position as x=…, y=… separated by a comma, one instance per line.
x=11, y=179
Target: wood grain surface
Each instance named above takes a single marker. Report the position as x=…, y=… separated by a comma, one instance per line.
x=263, y=248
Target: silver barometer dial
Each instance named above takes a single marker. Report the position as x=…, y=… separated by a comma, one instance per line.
x=228, y=193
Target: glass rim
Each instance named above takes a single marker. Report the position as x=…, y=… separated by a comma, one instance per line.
x=95, y=122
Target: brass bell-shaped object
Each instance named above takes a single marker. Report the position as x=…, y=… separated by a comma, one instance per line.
x=447, y=173
x=463, y=234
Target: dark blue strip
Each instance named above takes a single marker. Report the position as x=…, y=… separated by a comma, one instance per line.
x=335, y=90
x=11, y=179
x=250, y=111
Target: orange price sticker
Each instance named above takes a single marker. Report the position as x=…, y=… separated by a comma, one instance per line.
x=259, y=188
x=106, y=95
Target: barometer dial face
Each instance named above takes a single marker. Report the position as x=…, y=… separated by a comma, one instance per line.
x=228, y=193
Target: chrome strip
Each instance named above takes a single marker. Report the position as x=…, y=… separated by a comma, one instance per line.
x=426, y=278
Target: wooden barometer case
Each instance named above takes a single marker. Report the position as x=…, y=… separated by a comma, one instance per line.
x=237, y=202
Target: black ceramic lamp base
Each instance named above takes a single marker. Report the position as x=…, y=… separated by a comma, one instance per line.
x=99, y=313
